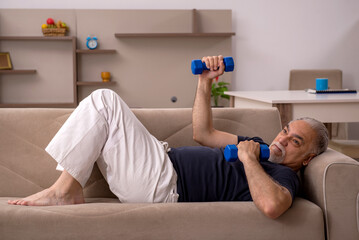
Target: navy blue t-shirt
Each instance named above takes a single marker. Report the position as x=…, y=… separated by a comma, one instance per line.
x=204, y=175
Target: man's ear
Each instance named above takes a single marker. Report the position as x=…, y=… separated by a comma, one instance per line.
x=309, y=158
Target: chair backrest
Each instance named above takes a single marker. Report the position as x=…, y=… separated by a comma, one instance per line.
x=303, y=79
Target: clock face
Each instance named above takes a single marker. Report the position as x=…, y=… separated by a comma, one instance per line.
x=92, y=44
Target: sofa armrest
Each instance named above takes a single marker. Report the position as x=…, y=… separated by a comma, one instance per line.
x=331, y=181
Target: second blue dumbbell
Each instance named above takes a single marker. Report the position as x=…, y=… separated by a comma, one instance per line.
x=197, y=66
x=231, y=152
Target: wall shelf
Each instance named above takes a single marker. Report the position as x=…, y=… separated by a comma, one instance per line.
x=80, y=83
x=36, y=38
x=194, y=33
x=38, y=105
x=28, y=71
x=172, y=35
x=97, y=51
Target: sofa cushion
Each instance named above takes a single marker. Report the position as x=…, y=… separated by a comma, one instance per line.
x=215, y=220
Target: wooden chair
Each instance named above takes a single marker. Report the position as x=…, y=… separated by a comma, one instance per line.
x=304, y=79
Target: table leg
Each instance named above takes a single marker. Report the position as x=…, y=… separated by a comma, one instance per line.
x=231, y=101
x=285, y=111
x=329, y=127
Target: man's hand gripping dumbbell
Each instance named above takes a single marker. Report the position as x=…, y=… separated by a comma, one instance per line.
x=231, y=152
x=197, y=66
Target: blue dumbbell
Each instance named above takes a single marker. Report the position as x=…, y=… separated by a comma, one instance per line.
x=197, y=66
x=231, y=152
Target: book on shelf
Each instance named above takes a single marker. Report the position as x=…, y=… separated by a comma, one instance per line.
x=345, y=90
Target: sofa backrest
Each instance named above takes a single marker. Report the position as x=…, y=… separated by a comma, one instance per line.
x=175, y=125
x=25, y=167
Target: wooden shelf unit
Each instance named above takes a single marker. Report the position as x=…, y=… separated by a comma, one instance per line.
x=194, y=30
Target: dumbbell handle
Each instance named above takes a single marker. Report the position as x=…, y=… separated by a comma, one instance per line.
x=231, y=152
x=197, y=66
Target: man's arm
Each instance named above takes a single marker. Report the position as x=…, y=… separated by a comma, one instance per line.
x=269, y=197
x=203, y=130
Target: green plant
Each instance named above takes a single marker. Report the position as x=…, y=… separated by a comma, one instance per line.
x=218, y=89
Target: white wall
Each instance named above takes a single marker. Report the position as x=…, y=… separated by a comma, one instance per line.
x=272, y=36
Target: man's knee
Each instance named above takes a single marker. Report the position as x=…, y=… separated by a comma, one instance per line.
x=106, y=99
x=106, y=96
x=103, y=92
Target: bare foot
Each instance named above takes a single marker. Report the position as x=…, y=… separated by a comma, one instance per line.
x=65, y=191
x=49, y=197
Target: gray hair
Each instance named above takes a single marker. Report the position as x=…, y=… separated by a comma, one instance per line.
x=322, y=139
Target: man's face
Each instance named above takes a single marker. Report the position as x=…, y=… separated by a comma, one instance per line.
x=292, y=146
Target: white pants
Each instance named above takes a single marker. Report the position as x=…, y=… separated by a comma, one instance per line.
x=134, y=163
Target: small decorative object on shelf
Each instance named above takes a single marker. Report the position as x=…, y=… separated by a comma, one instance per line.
x=91, y=42
x=106, y=76
x=54, y=30
x=5, y=62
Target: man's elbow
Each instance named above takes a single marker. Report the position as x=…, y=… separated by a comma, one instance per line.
x=273, y=211
x=272, y=214
x=201, y=136
x=198, y=138
x=274, y=207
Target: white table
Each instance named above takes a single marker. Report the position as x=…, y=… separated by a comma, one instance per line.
x=327, y=108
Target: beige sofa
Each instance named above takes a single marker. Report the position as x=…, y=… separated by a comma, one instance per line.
x=327, y=209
